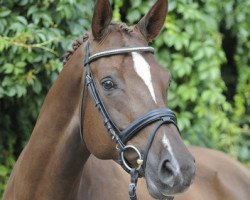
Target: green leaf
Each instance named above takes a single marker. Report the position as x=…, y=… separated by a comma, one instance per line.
x=22, y=20
x=11, y=92
x=20, y=90
x=8, y=68
x=7, y=81
x=4, y=13
x=37, y=87
x=133, y=16
x=32, y=10
x=3, y=171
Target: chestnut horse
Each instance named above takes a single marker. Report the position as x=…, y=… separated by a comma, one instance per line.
x=218, y=177
x=125, y=100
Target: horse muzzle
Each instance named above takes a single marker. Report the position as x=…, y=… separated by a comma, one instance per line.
x=169, y=175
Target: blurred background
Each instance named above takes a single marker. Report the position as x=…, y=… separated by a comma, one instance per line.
x=205, y=44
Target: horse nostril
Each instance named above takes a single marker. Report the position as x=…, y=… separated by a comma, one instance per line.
x=166, y=168
x=167, y=173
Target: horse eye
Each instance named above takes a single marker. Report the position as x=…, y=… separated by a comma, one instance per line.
x=108, y=84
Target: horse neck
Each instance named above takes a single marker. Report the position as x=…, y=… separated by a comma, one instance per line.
x=50, y=166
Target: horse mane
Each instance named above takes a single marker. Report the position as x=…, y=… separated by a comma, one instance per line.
x=74, y=47
x=122, y=26
x=78, y=42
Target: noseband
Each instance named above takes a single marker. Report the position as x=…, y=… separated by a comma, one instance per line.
x=121, y=137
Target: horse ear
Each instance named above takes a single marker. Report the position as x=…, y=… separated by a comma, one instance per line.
x=101, y=18
x=151, y=24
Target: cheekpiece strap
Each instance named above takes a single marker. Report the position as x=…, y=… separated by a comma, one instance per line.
x=132, y=186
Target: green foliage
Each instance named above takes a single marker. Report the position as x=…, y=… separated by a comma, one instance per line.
x=201, y=43
x=33, y=37
x=240, y=24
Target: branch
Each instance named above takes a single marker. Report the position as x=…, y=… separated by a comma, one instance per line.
x=12, y=41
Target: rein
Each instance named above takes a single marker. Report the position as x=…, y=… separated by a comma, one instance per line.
x=161, y=116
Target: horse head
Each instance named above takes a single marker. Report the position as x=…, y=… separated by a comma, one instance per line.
x=123, y=76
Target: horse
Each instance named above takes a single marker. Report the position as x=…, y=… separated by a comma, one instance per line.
x=108, y=101
x=218, y=177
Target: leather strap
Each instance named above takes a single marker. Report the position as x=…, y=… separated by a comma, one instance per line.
x=117, y=52
x=133, y=183
x=145, y=120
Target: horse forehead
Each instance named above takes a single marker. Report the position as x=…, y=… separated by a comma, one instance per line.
x=118, y=37
x=143, y=70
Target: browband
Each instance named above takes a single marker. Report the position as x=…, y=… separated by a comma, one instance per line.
x=118, y=51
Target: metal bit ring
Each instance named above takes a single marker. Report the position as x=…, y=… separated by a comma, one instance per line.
x=125, y=162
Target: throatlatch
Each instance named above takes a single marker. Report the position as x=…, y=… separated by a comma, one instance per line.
x=162, y=116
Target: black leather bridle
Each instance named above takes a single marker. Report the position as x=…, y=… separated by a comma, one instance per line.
x=121, y=137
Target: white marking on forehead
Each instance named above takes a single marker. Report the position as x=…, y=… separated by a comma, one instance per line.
x=142, y=68
x=167, y=145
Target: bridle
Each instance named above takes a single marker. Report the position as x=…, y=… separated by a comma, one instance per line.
x=121, y=137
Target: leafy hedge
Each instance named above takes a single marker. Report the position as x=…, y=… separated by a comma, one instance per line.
x=205, y=44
